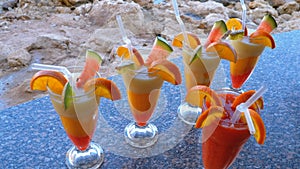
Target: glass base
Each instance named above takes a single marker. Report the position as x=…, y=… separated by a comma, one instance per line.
x=188, y=113
x=141, y=137
x=92, y=157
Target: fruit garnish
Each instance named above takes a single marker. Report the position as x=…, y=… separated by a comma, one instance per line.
x=167, y=70
x=216, y=33
x=236, y=26
x=92, y=64
x=236, y=35
x=103, y=88
x=125, y=67
x=67, y=96
x=262, y=38
x=137, y=58
x=200, y=93
x=242, y=98
x=160, y=50
x=193, y=39
x=210, y=115
x=267, y=24
x=260, y=130
x=55, y=81
x=197, y=55
x=224, y=50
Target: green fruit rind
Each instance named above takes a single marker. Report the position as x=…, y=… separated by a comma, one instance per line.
x=197, y=54
x=218, y=30
x=267, y=24
x=67, y=96
x=94, y=55
x=125, y=67
x=163, y=44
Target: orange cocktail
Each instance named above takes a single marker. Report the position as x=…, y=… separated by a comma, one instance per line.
x=143, y=91
x=80, y=129
x=247, y=57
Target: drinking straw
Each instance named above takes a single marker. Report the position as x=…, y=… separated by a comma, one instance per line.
x=124, y=36
x=243, y=107
x=243, y=14
x=62, y=69
x=181, y=24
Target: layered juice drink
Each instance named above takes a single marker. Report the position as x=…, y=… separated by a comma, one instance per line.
x=80, y=119
x=222, y=141
x=201, y=71
x=247, y=57
x=143, y=90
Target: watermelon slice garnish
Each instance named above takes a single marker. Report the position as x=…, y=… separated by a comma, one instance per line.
x=218, y=30
x=92, y=64
x=160, y=50
x=267, y=24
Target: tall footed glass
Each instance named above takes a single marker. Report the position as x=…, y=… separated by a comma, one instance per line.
x=199, y=71
x=247, y=57
x=143, y=90
x=79, y=120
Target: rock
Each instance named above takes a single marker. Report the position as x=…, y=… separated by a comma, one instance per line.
x=50, y=41
x=276, y=3
x=289, y=8
x=9, y=4
x=5, y=51
x=19, y=58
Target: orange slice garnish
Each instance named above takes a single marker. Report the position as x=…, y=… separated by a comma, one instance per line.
x=260, y=130
x=54, y=80
x=197, y=94
x=262, y=38
x=103, y=88
x=193, y=39
x=242, y=98
x=224, y=50
x=208, y=116
x=123, y=51
x=235, y=24
x=166, y=70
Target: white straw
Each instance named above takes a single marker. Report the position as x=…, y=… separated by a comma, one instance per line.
x=243, y=107
x=124, y=36
x=181, y=24
x=243, y=14
x=62, y=69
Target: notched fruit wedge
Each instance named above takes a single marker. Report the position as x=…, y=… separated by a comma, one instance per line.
x=55, y=81
x=267, y=24
x=167, y=70
x=92, y=64
x=68, y=96
x=213, y=113
x=160, y=50
x=103, y=88
x=242, y=98
x=218, y=30
x=260, y=130
x=193, y=39
x=262, y=38
x=199, y=94
x=224, y=50
x=137, y=58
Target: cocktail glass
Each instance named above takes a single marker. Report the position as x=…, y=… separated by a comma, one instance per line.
x=143, y=90
x=221, y=140
x=201, y=71
x=79, y=122
x=247, y=58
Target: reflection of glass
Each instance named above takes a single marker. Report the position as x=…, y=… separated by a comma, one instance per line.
x=200, y=71
x=222, y=141
x=247, y=57
x=79, y=122
x=143, y=90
